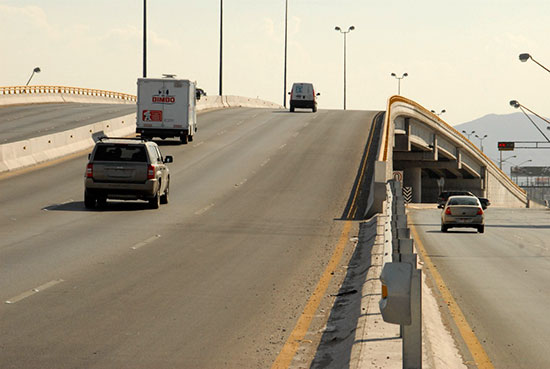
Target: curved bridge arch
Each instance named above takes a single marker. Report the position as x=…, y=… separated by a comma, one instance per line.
x=433, y=156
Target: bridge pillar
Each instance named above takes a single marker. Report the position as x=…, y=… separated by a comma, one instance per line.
x=412, y=177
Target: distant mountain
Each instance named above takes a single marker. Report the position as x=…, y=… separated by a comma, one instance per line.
x=509, y=127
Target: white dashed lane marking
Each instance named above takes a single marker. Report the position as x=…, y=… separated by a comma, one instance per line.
x=146, y=242
x=29, y=293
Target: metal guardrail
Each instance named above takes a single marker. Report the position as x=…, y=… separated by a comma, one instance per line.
x=401, y=301
x=36, y=90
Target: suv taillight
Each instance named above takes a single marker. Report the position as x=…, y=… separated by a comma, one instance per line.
x=89, y=171
x=151, y=172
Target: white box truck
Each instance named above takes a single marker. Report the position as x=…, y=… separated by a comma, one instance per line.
x=166, y=107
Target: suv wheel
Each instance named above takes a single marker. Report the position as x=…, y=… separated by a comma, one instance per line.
x=164, y=198
x=481, y=228
x=444, y=228
x=154, y=203
x=89, y=200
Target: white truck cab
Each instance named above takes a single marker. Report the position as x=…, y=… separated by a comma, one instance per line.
x=166, y=107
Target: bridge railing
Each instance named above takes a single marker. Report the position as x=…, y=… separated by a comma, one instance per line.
x=66, y=90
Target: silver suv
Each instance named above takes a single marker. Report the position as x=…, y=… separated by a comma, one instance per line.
x=126, y=169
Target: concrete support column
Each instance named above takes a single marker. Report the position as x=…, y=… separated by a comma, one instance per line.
x=412, y=177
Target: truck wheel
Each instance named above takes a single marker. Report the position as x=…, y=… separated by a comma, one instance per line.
x=89, y=201
x=190, y=138
x=154, y=203
x=183, y=139
x=164, y=198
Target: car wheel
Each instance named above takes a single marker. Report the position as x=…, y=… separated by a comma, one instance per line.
x=183, y=139
x=314, y=109
x=164, y=197
x=291, y=109
x=481, y=228
x=154, y=203
x=444, y=228
x=89, y=201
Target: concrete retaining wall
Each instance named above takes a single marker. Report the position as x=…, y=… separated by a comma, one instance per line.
x=37, y=150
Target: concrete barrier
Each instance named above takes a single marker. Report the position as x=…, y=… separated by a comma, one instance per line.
x=41, y=149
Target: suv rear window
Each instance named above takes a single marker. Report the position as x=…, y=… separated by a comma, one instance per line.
x=120, y=152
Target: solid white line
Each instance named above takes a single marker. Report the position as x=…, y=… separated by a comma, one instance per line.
x=143, y=243
x=26, y=294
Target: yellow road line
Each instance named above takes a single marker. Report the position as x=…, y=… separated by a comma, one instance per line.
x=284, y=359
x=474, y=346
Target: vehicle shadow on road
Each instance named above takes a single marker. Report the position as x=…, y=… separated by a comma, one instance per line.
x=113, y=206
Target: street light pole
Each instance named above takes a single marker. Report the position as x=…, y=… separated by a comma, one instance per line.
x=399, y=81
x=144, y=38
x=481, y=141
x=286, y=38
x=525, y=56
x=504, y=160
x=516, y=104
x=221, y=45
x=351, y=28
x=35, y=70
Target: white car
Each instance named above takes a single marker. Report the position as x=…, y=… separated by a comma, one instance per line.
x=463, y=212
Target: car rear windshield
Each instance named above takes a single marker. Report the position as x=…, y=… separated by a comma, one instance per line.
x=463, y=201
x=120, y=152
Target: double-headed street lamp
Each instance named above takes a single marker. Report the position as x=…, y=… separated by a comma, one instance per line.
x=516, y=104
x=468, y=134
x=351, y=28
x=438, y=114
x=35, y=70
x=399, y=81
x=481, y=138
x=525, y=56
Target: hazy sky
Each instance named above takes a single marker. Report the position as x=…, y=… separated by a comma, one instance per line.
x=461, y=56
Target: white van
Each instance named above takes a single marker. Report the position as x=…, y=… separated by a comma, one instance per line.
x=303, y=95
x=166, y=107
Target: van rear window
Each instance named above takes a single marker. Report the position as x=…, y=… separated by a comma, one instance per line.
x=120, y=153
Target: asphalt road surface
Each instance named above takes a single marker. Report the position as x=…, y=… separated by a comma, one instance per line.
x=217, y=278
x=500, y=279
x=22, y=122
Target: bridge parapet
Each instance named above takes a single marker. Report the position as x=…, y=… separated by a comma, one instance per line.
x=19, y=95
x=426, y=148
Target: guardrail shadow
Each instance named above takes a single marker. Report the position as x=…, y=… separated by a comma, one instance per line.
x=334, y=350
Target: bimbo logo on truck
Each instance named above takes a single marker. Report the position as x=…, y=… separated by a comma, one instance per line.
x=163, y=97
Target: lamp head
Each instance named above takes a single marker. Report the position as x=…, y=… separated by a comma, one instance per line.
x=405, y=74
x=337, y=28
x=351, y=28
x=393, y=75
x=515, y=104
x=37, y=70
x=524, y=57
